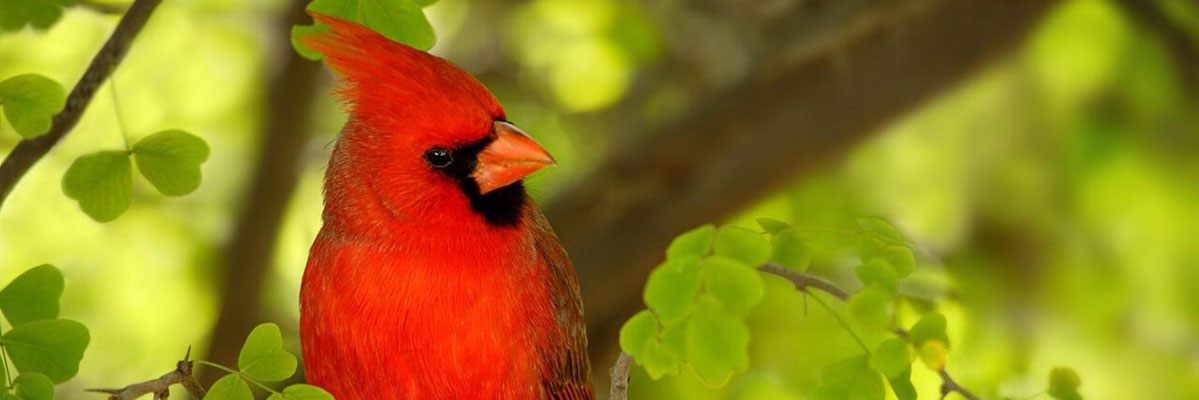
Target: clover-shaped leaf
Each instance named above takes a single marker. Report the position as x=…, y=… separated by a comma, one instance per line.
x=637, y=332
x=15, y=14
x=171, y=160
x=30, y=101
x=693, y=243
x=231, y=387
x=102, y=182
x=32, y=296
x=34, y=386
x=850, y=379
x=1064, y=383
x=263, y=357
x=50, y=347
x=736, y=285
x=716, y=342
x=672, y=287
x=301, y=391
x=892, y=358
x=741, y=244
x=400, y=20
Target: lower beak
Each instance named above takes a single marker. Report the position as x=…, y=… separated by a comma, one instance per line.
x=510, y=157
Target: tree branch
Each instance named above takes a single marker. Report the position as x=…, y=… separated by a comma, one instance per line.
x=803, y=282
x=29, y=151
x=161, y=387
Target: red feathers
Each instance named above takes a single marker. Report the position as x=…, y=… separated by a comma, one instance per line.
x=420, y=285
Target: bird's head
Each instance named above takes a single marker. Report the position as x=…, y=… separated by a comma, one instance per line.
x=430, y=139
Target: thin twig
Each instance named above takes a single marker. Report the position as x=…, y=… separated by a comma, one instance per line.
x=161, y=387
x=802, y=282
x=620, y=377
x=28, y=152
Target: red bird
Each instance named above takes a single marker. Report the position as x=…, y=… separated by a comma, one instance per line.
x=434, y=275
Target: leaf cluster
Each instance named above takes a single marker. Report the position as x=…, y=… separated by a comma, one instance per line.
x=262, y=359
x=44, y=349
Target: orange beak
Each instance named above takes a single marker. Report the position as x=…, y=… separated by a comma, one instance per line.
x=510, y=157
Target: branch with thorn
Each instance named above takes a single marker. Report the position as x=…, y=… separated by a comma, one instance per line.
x=161, y=387
x=804, y=283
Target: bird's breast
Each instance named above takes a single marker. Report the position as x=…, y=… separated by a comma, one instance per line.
x=405, y=321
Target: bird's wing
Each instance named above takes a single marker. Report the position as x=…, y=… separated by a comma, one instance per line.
x=568, y=373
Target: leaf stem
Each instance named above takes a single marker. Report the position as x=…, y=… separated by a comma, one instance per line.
x=116, y=109
x=239, y=374
x=841, y=321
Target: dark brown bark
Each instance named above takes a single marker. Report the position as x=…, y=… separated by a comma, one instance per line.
x=28, y=152
x=248, y=254
x=803, y=110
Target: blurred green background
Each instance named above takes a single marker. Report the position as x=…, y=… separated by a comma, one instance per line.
x=1045, y=161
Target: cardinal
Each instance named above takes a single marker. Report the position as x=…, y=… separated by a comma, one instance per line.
x=434, y=276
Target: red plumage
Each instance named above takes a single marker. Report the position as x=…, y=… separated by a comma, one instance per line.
x=433, y=279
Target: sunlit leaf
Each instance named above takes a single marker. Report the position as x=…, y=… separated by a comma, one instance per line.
x=891, y=358
x=231, y=387
x=736, y=285
x=171, y=160
x=262, y=356
x=50, y=347
x=32, y=296
x=850, y=379
x=41, y=14
x=302, y=391
x=791, y=251
x=1064, y=383
x=902, y=385
x=717, y=343
x=881, y=229
x=400, y=20
x=637, y=332
x=659, y=360
x=695, y=242
x=30, y=101
x=742, y=244
x=34, y=386
x=672, y=288
x=102, y=183
x=869, y=308
x=933, y=353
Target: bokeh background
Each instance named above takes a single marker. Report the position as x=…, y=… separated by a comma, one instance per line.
x=1043, y=156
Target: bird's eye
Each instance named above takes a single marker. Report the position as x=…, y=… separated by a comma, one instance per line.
x=438, y=157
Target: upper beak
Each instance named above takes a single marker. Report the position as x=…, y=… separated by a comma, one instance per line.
x=510, y=157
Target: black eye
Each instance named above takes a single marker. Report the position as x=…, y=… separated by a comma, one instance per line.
x=438, y=157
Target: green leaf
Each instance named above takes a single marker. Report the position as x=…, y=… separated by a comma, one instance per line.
x=791, y=251
x=736, y=285
x=32, y=296
x=49, y=347
x=672, y=288
x=301, y=391
x=716, y=342
x=880, y=228
x=638, y=332
x=400, y=20
x=34, y=386
x=263, y=357
x=892, y=358
x=742, y=244
x=878, y=272
x=171, y=160
x=30, y=101
x=1064, y=383
x=102, y=182
x=869, y=308
x=42, y=14
x=659, y=360
x=902, y=386
x=901, y=258
x=231, y=387
x=850, y=379
x=773, y=226
x=930, y=326
x=695, y=242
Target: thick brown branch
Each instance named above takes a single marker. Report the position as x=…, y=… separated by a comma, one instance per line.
x=28, y=152
x=161, y=387
x=248, y=254
x=803, y=282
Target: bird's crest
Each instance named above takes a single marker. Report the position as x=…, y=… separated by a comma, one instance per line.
x=384, y=78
